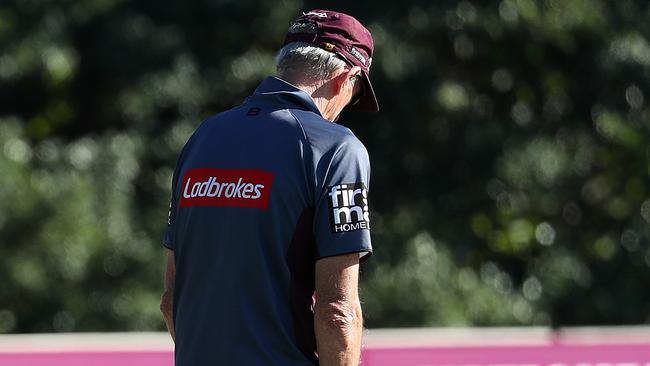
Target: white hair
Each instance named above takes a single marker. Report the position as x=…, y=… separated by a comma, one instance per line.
x=307, y=62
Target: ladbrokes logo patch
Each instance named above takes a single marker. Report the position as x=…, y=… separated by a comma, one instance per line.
x=348, y=204
x=224, y=187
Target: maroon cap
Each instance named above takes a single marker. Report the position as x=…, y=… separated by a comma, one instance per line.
x=343, y=35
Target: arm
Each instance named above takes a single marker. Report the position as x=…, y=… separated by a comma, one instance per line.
x=167, y=301
x=337, y=312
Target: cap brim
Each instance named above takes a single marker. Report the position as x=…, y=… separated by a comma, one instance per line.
x=368, y=101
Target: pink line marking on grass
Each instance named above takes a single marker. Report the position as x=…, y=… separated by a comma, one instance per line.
x=558, y=354
x=634, y=355
x=88, y=359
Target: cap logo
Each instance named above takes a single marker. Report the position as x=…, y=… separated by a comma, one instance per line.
x=320, y=15
x=354, y=52
x=329, y=46
x=298, y=27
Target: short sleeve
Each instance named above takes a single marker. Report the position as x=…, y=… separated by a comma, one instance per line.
x=168, y=239
x=342, y=214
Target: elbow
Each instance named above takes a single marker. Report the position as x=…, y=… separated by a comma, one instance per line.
x=166, y=304
x=345, y=317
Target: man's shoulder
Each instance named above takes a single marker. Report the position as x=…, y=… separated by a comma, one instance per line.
x=324, y=134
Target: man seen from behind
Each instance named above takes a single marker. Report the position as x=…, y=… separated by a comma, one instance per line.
x=269, y=214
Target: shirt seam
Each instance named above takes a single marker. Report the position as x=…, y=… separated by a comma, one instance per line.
x=311, y=187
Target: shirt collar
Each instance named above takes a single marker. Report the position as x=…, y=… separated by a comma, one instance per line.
x=285, y=93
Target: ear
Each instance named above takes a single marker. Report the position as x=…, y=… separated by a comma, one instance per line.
x=341, y=79
x=338, y=82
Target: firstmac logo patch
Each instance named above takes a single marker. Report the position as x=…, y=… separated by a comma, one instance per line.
x=348, y=204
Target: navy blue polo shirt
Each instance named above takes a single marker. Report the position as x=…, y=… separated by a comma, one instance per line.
x=259, y=194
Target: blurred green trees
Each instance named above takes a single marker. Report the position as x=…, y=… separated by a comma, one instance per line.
x=510, y=159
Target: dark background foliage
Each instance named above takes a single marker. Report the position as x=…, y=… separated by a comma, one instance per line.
x=510, y=158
